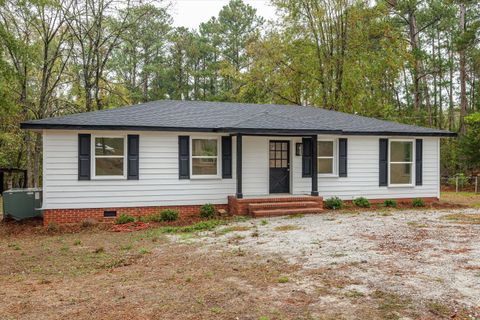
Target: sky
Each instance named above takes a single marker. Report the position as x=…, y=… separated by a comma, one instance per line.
x=190, y=13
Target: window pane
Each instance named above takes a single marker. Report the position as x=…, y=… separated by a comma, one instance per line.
x=325, y=165
x=109, y=166
x=401, y=151
x=204, y=166
x=204, y=147
x=325, y=148
x=109, y=146
x=400, y=173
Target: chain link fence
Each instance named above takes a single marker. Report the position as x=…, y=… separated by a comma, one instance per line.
x=460, y=183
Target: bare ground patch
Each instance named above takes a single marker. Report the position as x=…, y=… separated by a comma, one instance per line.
x=410, y=264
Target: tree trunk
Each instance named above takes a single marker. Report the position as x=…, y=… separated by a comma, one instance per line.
x=463, y=74
x=414, y=43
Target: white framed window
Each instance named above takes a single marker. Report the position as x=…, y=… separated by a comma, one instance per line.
x=400, y=162
x=108, y=153
x=204, y=157
x=326, y=156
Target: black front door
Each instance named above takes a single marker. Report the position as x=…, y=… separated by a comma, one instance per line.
x=279, y=166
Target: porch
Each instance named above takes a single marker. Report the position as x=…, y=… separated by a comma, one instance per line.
x=289, y=160
x=274, y=205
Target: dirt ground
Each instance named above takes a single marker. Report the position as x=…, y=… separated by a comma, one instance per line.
x=372, y=264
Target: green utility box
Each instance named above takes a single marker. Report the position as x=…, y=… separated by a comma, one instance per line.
x=22, y=203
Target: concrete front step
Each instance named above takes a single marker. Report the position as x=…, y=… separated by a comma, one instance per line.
x=282, y=212
x=282, y=205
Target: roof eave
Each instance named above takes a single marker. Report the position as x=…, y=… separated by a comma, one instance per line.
x=40, y=126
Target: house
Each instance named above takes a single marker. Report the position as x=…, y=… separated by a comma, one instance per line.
x=246, y=158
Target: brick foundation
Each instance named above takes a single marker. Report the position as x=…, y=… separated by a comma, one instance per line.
x=400, y=200
x=64, y=216
x=235, y=206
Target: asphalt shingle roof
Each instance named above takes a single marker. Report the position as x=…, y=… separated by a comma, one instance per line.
x=166, y=115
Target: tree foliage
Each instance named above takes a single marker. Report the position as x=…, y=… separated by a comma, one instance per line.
x=413, y=61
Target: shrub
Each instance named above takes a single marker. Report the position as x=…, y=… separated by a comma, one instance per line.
x=207, y=211
x=334, y=203
x=361, y=202
x=462, y=180
x=169, y=215
x=89, y=222
x=418, y=202
x=53, y=227
x=390, y=203
x=124, y=218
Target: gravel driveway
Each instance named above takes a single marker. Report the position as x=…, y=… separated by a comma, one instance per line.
x=423, y=255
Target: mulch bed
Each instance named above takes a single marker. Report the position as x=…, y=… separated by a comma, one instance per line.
x=129, y=227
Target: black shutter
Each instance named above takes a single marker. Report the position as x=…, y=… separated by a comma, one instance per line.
x=307, y=157
x=418, y=162
x=383, y=157
x=133, y=151
x=226, y=157
x=183, y=157
x=84, y=156
x=342, y=157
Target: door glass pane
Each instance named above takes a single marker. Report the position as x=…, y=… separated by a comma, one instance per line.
x=278, y=154
x=272, y=154
x=109, y=166
x=284, y=155
x=272, y=145
x=278, y=163
x=401, y=151
x=204, y=166
x=272, y=163
x=401, y=173
x=325, y=148
x=325, y=165
x=109, y=146
x=284, y=164
x=204, y=147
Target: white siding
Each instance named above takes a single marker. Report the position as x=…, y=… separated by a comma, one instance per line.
x=159, y=184
x=363, y=172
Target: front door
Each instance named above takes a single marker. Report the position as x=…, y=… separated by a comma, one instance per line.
x=279, y=166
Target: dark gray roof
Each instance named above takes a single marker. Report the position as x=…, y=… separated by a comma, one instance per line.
x=165, y=115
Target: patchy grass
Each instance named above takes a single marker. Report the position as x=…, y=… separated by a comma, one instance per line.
x=438, y=309
x=470, y=199
x=233, y=229
x=463, y=218
x=416, y=224
x=295, y=216
x=390, y=304
x=287, y=227
x=283, y=280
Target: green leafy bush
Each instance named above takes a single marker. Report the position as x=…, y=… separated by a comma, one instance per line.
x=361, y=202
x=462, y=180
x=124, y=218
x=390, y=203
x=418, y=202
x=169, y=215
x=333, y=203
x=207, y=211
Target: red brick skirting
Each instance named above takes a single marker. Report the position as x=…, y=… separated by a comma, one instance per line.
x=235, y=206
x=400, y=200
x=63, y=216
